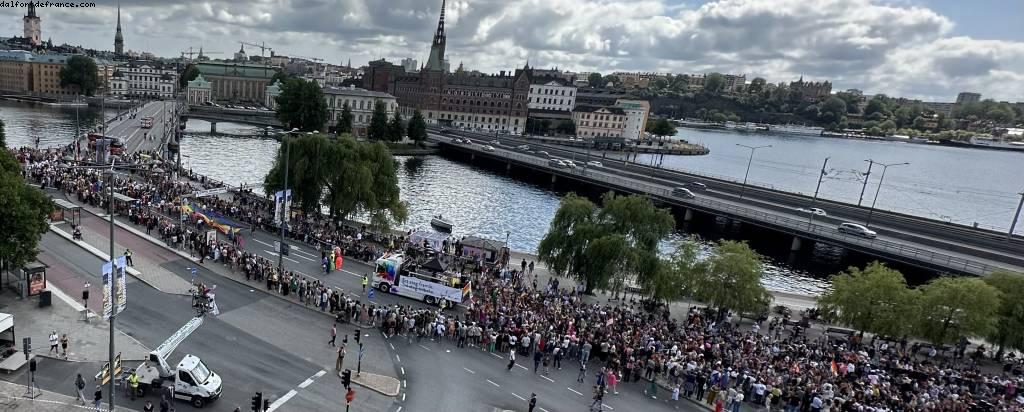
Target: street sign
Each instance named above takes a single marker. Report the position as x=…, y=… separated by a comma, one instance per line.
x=369, y=293
x=104, y=375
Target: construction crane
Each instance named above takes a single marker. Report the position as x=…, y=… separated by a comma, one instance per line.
x=190, y=52
x=262, y=46
x=314, y=59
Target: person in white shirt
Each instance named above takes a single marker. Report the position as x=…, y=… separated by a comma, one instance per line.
x=53, y=342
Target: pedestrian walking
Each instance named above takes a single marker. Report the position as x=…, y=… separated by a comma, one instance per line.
x=341, y=358
x=53, y=342
x=80, y=388
x=511, y=358
x=334, y=334
x=97, y=398
x=366, y=280
x=537, y=356
x=583, y=372
x=64, y=346
x=148, y=407
x=128, y=257
x=533, y=401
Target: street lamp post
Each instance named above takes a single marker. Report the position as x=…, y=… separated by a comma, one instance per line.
x=749, y=161
x=879, y=188
x=814, y=200
x=284, y=198
x=1016, y=215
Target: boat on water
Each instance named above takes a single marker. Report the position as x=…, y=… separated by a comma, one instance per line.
x=440, y=223
x=795, y=129
x=746, y=127
x=991, y=143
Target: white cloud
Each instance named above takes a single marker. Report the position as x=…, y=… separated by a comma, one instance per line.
x=875, y=45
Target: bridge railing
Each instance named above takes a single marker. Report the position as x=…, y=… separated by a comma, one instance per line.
x=796, y=226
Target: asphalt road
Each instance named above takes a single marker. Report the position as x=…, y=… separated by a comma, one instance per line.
x=955, y=246
x=130, y=131
x=258, y=343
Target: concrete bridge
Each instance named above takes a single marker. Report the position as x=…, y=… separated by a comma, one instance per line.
x=219, y=114
x=926, y=243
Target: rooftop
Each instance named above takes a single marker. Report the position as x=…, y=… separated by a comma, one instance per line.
x=355, y=91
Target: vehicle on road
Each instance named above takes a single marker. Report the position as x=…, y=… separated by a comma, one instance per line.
x=193, y=380
x=569, y=163
x=116, y=146
x=147, y=122
x=543, y=153
x=683, y=193
x=595, y=163
x=496, y=142
x=488, y=148
x=856, y=230
x=458, y=141
x=523, y=147
x=814, y=211
x=696, y=186
x=557, y=163
x=391, y=275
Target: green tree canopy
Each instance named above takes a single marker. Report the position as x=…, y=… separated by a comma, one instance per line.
x=874, y=300
x=378, y=129
x=714, y=83
x=757, y=85
x=396, y=128
x=302, y=105
x=3, y=135
x=417, y=127
x=1009, y=330
x=661, y=128
x=733, y=280
x=832, y=110
x=345, y=119
x=190, y=73
x=23, y=215
x=594, y=79
x=953, y=307
x=677, y=276
x=343, y=175
x=566, y=127
x=80, y=71
x=279, y=77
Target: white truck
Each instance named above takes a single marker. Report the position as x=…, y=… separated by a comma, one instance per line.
x=193, y=381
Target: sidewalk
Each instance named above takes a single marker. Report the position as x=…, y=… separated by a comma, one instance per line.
x=12, y=399
x=87, y=341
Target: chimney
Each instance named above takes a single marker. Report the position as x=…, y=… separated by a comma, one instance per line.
x=502, y=73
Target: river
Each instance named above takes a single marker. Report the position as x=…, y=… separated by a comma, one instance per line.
x=940, y=180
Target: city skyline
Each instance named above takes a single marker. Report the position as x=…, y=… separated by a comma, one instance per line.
x=905, y=48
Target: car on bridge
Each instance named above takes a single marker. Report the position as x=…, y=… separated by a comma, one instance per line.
x=488, y=148
x=523, y=147
x=595, y=163
x=814, y=211
x=683, y=193
x=856, y=230
x=543, y=153
x=696, y=186
x=569, y=163
x=496, y=142
x=556, y=163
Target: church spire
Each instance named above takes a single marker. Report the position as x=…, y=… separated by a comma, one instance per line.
x=436, y=59
x=118, y=37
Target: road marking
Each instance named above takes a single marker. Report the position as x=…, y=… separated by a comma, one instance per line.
x=262, y=242
x=399, y=409
x=282, y=400
x=498, y=356
x=492, y=383
x=404, y=385
x=303, y=257
x=520, y=397
x=549, y=379
x=424, y=347
x=403, y=396
x=467, y=370
x=524, y=368
x=319, y=374
x=403, y=369
x=574, y=391
x=542, y=409
x=398, y=357
x=607, y=406
x=392, y=346
x=305, y=383
x=285, y=257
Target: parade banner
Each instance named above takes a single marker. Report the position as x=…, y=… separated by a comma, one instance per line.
x=431, y=288
x=122, y=286
x=282, y=205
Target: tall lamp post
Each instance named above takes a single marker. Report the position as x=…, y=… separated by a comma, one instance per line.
x=1016, y=215
x=284, y=199
x=749, y=161
x=814, y=200
x=879, y=188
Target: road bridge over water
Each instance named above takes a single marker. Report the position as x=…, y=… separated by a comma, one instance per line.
x=217, y=114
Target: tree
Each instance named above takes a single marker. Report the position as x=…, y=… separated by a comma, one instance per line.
x=677, y=276
x=877, y=105
x=396, y=128
x=564, y=246
x=874, y=300
x=279, y=77
x=594, y=79
x=566, y=127
x=343, y=175
x=378, y=129
x=80, y=71
x=23, y=216
x=661, y=128
x=832, y=110
x=611, y=78
x=954, y=307
x=3, y=136
x=417, y=127
x=190, y=73
x=714, y=83
x=733, y=280
x=1009, y=330
x=301, y=105
x=757, y=85
x=643, y=225
x=345, y=119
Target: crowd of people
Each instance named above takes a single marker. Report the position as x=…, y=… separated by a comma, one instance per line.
x=701, y=356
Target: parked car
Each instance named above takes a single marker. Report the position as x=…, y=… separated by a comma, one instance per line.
x=594, y=163
x=683, y=193
x=814, y=211
x=488, y=148
x=557, y=163
x=696, y=186
x=543, y=153
x=856, y=230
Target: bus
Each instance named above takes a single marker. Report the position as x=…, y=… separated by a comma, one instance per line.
x=147, y=122
x=390, y=276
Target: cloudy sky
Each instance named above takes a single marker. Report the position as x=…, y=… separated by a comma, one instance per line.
x=929, y=49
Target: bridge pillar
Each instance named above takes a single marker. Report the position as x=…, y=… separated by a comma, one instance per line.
x=795, y=246
x=554, y=178
x=688, y=216
x=213, y=127
x=472, y=156
x=508, y=167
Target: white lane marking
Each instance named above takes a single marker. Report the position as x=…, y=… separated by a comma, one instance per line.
x=498, y=356
x=262, y=242
x=303, y=257
x=403, y=396
x=305, y=383
x=549, y=379
x=274, y=254
x=392, y=346
x=607, y=406
x=574, y=391
x=492, y=383
x=319, y=374
x=404, y=384
x=520, y=397
x=467, y=370
x=282, y=400
x=542, y=409
x=295, y=249
x=403, y=370
x=352, y=273
x=398, y=357
x=424, y=347
x=400, y=409
x=524, y=368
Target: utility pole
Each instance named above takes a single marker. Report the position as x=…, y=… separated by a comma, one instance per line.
x=743, y=189
x=816, y=189
x=1016, y=215
x=866, y=177
x=284, y=200
x=113, y=286
x=879, y=189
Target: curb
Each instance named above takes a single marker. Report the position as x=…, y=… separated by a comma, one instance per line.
x=382, y=391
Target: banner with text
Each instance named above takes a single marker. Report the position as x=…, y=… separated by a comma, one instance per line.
x=122, y=285
x=282, y=204
x=430, y=288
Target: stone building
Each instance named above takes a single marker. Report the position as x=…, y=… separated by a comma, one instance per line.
x=595, y=121
x=198, y=91
x=144, y=80
x=15, y=71
x=811, y=91
x=361, y=103
x=237, y=82
x=636, y=117
x=33, y=29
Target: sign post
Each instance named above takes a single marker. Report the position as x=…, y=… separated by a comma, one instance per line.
x=349, y=397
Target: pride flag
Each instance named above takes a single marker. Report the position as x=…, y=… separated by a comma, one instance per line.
x=212, y=219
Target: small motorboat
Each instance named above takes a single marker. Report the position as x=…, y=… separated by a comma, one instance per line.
x=440, y=223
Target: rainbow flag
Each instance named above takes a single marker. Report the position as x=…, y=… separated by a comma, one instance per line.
x=212, y=219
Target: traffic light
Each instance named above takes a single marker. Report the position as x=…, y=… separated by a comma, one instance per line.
x=359, y=333
x=266, y=404
x=257, y=402
x=346, y=377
